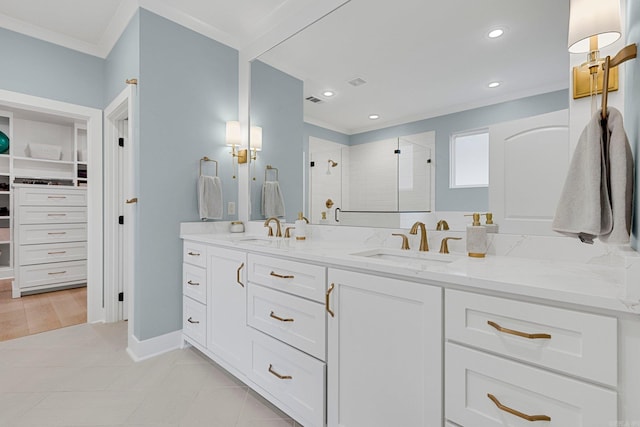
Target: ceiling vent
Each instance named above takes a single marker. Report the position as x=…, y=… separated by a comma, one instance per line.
x=313, y=99
x=357, y=82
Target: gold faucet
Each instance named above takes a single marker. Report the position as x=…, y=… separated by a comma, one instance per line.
x=287, y=232
x=424, y=243
x=442, y=225
x=278, y=228
x=405, y=240
x=444, y=246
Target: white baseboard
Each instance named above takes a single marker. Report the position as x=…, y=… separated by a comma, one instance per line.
x=146, y=349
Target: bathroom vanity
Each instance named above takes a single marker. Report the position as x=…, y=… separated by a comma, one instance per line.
x=351, y=332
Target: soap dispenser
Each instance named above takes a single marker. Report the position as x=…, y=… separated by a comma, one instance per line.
x=301, y=227
x=476, y=238
x=489, y=224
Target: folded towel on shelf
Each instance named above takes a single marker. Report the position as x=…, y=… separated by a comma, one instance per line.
x=272, y=200
x=597, y=197
x=210, y=197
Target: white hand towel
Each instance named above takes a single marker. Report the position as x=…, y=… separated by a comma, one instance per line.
x=597, y=195
x=210, y=197
x=272, y=200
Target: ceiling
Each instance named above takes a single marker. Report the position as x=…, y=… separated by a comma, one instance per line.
x=420, y=58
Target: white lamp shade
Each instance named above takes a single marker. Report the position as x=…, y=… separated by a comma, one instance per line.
x=234, y=136
x=589, y=18
x=255, y=138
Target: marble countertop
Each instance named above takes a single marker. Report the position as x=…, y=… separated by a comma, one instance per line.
x=587, y=284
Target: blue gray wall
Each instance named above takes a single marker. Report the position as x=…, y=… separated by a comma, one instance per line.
x=276, y=106
x=123, y=62
x=43, y=69
x=632, y=107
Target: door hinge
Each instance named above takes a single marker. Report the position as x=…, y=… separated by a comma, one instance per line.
x=121, y=142
x=121, y=296
x=121, y=219
x=313, y=164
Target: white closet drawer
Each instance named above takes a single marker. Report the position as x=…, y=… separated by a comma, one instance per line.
x=194, y=320
x=52, y=252
x=297, y=278
x=52, y=197
x=291, y=319
x=581, y=344
x=194, y=253
x=194, y=282
x=52, y=214
x=294, y=378
x=471, y=376
x=57, y=272
x=43, y=233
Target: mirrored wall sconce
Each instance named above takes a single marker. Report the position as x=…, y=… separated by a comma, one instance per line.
x=255, y=141
x=234, y=140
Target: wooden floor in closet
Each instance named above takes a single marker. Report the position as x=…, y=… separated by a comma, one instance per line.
x=32, y=314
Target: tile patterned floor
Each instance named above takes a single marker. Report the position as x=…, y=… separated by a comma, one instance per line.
x=81, y=376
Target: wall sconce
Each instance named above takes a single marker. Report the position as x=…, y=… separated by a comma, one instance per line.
x=255, y=141
x=593, y=24
x=234, y=139
x=330, y=164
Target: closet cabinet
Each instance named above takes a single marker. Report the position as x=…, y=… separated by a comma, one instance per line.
x=384, y=352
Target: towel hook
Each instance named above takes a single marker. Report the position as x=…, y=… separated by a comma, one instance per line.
x=206, y=159
x=270, y=168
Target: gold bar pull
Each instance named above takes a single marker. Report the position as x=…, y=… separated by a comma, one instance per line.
x=192, y=283
x=57, y=214
x=56, y=232
x=193, y=253
x=517, y=413
x=326, y=302
x=195, y=322
x=56, y=253
x=238, y=275
x=273, y=315
x=518, y=333
x=274, y=274
x=56, y=197
x=133, y=200
x=57, y=272
x=282, y=377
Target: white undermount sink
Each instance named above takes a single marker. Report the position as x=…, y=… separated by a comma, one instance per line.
x=423, y=258
x=256, y=240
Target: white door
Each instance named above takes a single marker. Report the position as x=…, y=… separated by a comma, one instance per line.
x=384, y=365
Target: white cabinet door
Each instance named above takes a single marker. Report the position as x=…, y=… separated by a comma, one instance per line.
x=384, y=363
x=227, y=306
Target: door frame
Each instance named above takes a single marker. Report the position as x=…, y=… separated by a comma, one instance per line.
x=93, y=117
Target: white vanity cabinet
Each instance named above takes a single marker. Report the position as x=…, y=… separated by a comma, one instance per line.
x=194, y=293
x=384, y=352
x=510, y=363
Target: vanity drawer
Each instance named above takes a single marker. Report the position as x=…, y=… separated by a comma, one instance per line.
x=194, y=282
x=194, y=253
x=52, y=214
x=472, y=375
x=45, y=233
x=52, y=273
x=296, y=278
x=580, y=344
x=296, y=321
x=52, y=252
x=52, y=197
x=194, y=320
x=294, y=378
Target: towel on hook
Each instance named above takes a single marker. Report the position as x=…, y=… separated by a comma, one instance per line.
x=272, y=200
x=210, y=197
x=597, y=197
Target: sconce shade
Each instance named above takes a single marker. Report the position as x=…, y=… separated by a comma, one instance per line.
x=589, y=18
x=234, y=136
x=255, y=138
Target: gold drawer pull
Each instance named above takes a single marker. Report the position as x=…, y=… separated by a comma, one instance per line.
x=57, y=232
x=326, y=302
x=274, y=274
x=238, y=275
x=518, y=333
x=57, y=272
x=192, y=283
x=517, y=413
x=282, y=377
x=56, y=253
x=193, y=253
x=56, y=197
x=57, y=214
x=273, y=315
x=195, y=322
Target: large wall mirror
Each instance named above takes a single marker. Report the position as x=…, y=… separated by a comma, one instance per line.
x=359, y=87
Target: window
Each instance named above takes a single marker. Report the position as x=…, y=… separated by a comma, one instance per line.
x=469, y=159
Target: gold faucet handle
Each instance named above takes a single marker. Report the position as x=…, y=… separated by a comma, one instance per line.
x=270, y=231
x=444, y=246
x=442, y=225
x=287, y=232
x=405, y=240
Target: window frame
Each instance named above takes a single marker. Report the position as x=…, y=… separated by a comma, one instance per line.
x=452, y=157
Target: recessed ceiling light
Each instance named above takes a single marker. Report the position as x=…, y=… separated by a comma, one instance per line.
x=496, y=33
x=328, y=93
x=494, y=84
x=374, y=116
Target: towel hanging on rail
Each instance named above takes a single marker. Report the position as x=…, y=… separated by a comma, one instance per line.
x=210, y=201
